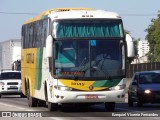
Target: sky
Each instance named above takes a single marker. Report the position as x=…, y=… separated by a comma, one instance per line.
x=136, y=14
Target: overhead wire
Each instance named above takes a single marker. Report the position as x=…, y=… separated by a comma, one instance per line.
x=18, y=13
x=23, y=13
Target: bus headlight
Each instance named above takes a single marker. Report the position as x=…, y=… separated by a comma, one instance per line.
x=63, y=88
x=118, y=87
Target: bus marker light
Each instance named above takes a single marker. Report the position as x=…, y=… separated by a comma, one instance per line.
x=1, y=83
x=57, y=96
x=123, y=96
x=117, y=88
x=118, y=96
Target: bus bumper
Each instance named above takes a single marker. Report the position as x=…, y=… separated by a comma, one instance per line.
x=81, y=97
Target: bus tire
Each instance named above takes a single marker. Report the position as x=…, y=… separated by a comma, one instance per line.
x=52, y=106
x=110, y=106
x=32, y=102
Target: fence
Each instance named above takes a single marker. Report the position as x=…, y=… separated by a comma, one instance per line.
x=132, y=68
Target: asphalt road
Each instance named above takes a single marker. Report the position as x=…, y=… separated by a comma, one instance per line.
x=16, y=106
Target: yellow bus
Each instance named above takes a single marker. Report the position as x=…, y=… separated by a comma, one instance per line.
x=74, y=55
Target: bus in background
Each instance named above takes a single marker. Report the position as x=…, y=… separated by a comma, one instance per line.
x=74, y=55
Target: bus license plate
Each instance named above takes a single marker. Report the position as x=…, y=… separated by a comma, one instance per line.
x=91, y=96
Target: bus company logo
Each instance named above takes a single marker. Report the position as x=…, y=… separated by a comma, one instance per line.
x=30, y=58
x=77, y=84
x=90, y=87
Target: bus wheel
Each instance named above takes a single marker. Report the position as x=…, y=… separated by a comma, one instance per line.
x=32, y=102
x=52, y=106
x=110, y=106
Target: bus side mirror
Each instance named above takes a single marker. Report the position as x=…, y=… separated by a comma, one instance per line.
x=130, y=46
x=49, y=46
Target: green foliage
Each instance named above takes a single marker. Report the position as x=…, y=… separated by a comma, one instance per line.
x=153, y=37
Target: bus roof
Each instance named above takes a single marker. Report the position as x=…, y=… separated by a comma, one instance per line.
x=69, y=13
x=47, y=12
x=84, y=14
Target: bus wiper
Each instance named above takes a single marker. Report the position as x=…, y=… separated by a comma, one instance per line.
x=75, y=77
x=83, y=62
x=81, y=69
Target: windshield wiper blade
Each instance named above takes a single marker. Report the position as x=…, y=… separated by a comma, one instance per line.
x=75, y=77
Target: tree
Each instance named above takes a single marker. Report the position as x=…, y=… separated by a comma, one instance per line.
x=153, y=37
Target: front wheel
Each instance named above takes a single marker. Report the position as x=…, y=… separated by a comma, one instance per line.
x=52, y=106
x=110, y=106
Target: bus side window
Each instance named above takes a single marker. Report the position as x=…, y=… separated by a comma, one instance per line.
x=45, y=32
x=26, y=36
x=23, y=36
x=40, y=33
x=35, y=35
x=30, y=35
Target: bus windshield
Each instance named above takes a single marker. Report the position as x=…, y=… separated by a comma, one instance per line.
x=97, y=59
x=87, y=28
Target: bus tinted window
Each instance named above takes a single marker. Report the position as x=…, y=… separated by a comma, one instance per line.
x=87, y=28
x=37, y=38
